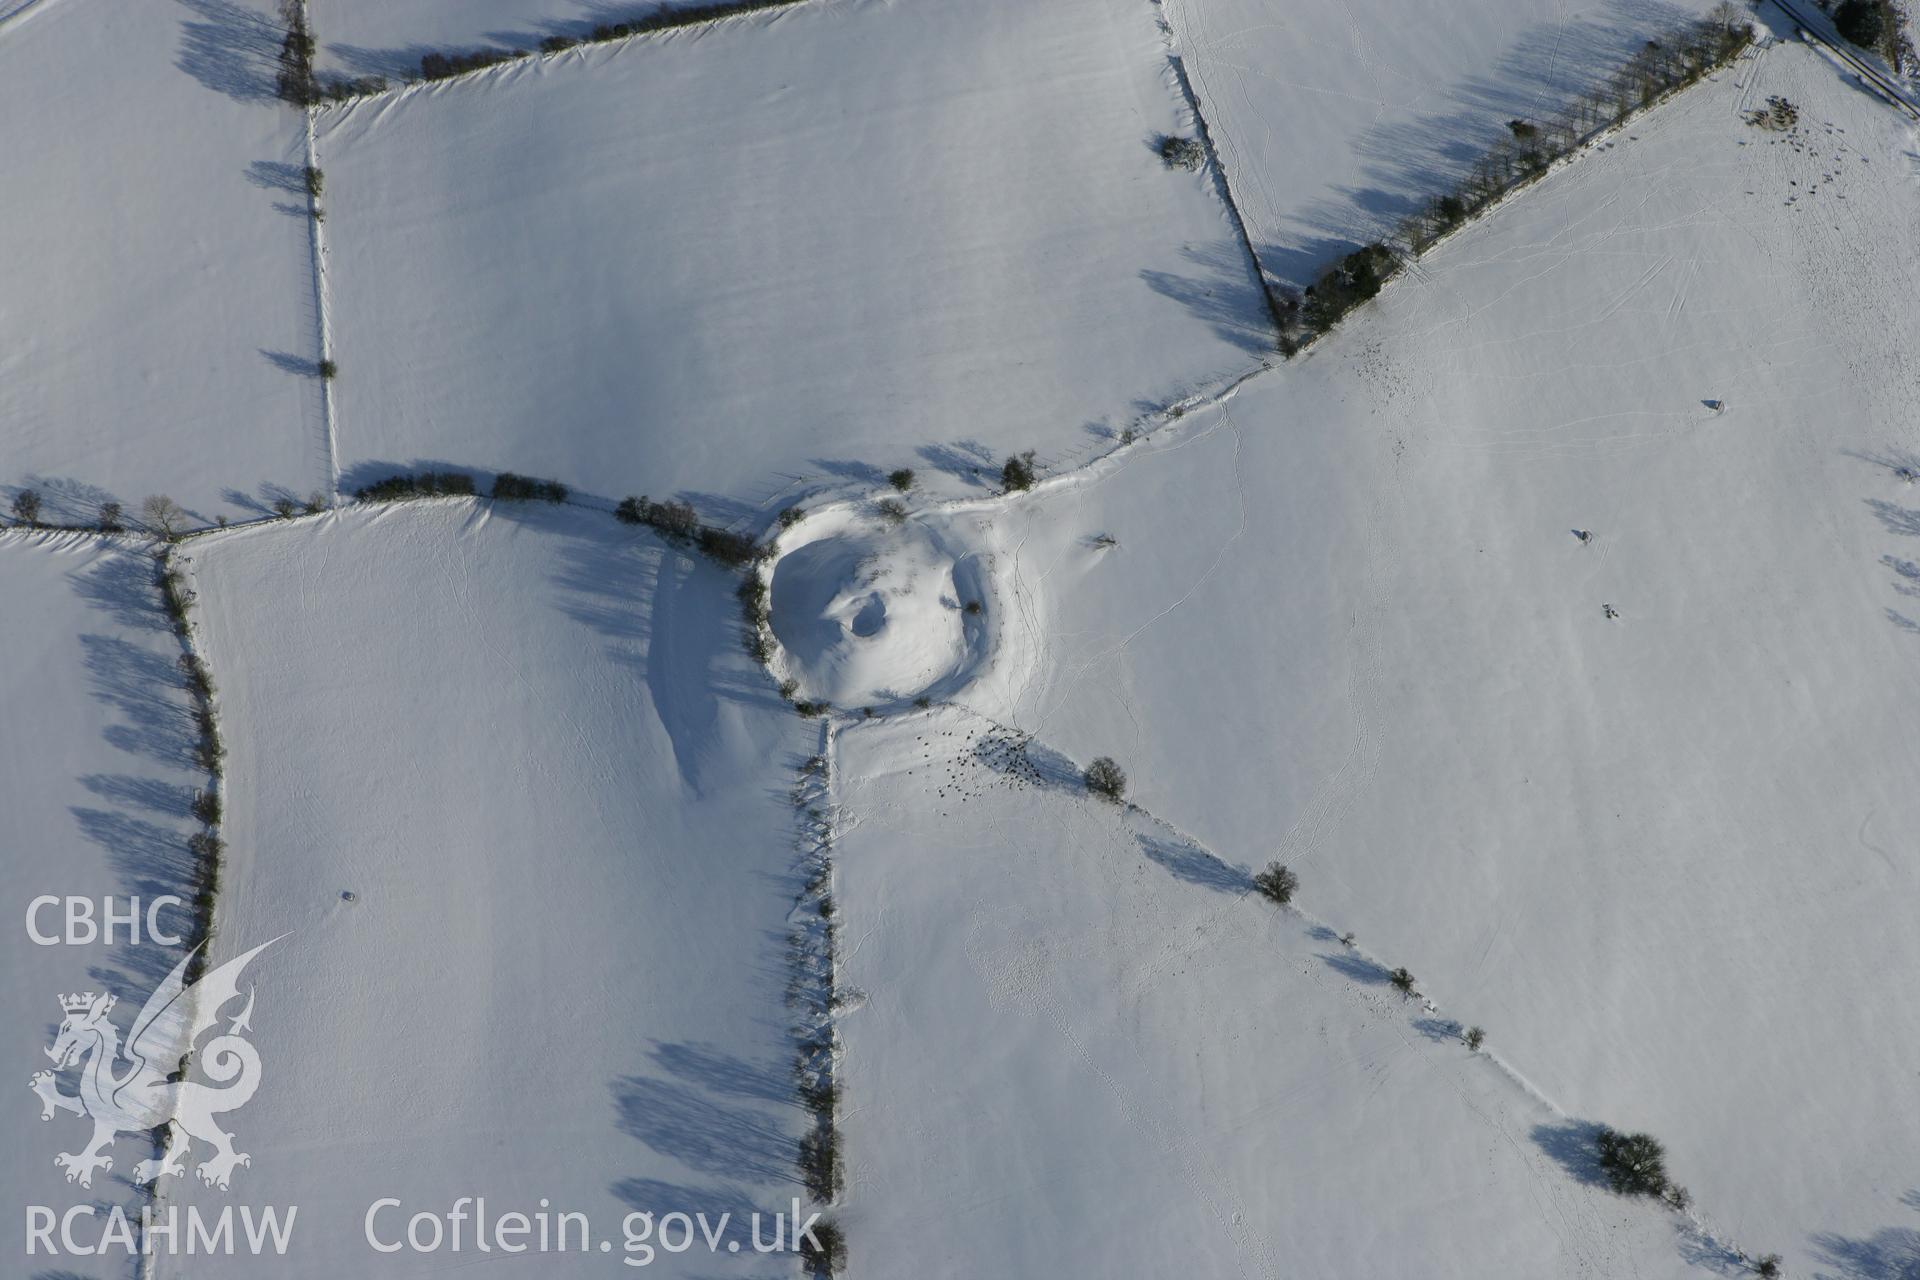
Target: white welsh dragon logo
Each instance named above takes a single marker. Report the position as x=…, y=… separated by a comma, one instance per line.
x=144, y=1098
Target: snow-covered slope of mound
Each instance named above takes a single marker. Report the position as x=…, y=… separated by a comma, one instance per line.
x=157, y=323
x=806, y=244
x=502, y=777
x=1642, y=803
x=870, y=611
x=1085, y=1050
x=95, y=785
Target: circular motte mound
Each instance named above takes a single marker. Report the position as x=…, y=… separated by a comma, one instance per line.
x=870, y=613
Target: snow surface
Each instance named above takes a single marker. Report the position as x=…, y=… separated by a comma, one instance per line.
x=526, y=742
x=793, y=250
x=94, y=794
x=1666, y=858
x=1086, y=1051
x=1641, y=802
x=157, y=321
x=1334, y=121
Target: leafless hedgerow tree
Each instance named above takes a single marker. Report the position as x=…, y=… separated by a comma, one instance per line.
x=163, y=517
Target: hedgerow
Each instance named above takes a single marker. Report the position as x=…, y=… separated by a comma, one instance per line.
x=424, y=484
x=1676, y=58
x=508, y=487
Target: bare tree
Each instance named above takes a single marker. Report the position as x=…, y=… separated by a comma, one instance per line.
x=26, y=507
x=163, y=517
x=296, y=82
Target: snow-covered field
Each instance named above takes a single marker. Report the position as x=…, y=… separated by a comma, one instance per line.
x=513, y=796
x=157, y=321
x=1334, y=121
x=94, y=794
x=1666, y=857
x=1161, y=1075
x=1557, y=619
x=779, y=253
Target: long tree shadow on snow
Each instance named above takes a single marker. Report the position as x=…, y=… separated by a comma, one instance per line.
x=733, y=1142
x=1194, y=865
x=1899, y=520
x=1902, y=522
x=64, y=501
x=1892, y=1254
x=232, y=49
x=142, y=820
x=288, y=179
x=122, y=588
x=148, y=692
x=720, y=1072
x=1571, y=1144
x=966, y=460
x=1438, y=1030
x=1223, y=292
x=1357, y=968
x=708, y=1117
x=1409, y=161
